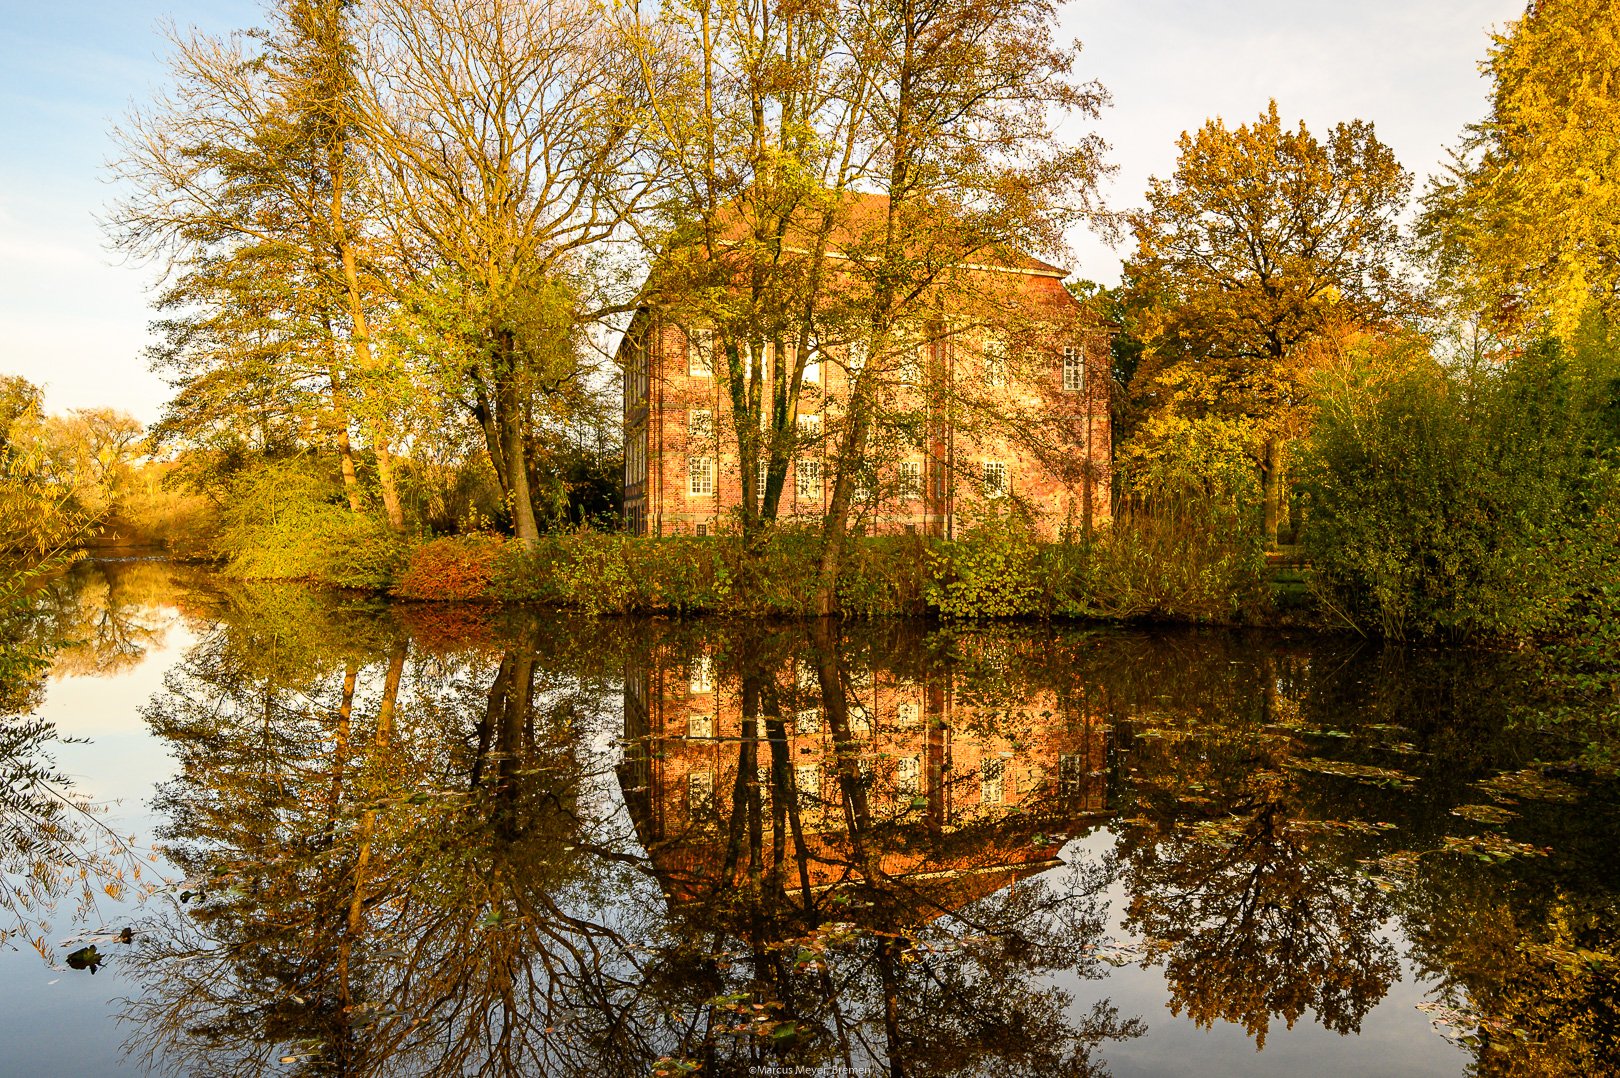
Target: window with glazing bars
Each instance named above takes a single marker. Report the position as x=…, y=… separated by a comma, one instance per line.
x=995, y=478
x=1074, y=370
x=700, y=476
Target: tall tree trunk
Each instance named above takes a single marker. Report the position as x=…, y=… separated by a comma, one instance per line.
x=360, y=329
x=340, y=419
x=1273, y=473
x=885, y=294
x=835, y=528
x=509, y=421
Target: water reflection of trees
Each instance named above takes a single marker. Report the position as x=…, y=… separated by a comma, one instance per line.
x=403, y=859
x=102, y=617
x=55, y=844
x=869, y=918
x=423, y=840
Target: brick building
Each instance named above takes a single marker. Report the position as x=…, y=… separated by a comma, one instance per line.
x=999, y=396
x=957, y=790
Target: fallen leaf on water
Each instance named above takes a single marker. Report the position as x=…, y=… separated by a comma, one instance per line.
x=1530, y=784
x=1484, y=813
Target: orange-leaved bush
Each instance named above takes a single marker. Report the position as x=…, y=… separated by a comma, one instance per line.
x=455, y=567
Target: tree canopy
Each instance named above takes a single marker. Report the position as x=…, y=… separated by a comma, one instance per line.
x=1524, y=227
x=1263, y=239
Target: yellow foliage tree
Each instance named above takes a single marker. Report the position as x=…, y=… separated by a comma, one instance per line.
x=1263, y=240
x=1524, y=228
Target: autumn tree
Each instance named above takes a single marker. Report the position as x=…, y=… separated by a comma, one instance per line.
x=1524, y=227
x=1263, y=239
x=246, y=183
x=836, y=171
x=758, y=111
x=508, y=134
x=40, y=519
x=966, y=152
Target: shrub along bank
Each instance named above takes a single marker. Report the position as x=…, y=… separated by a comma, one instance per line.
x=996, y=570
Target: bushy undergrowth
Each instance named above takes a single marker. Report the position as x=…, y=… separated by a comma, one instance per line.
x=1135, y=570
x=452, y=568
x=1468, y=503
x=285, y=520
x=1186, y=568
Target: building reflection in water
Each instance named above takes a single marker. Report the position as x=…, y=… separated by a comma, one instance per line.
x=817, y=774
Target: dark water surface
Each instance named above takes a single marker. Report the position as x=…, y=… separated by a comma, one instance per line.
x=446, y=840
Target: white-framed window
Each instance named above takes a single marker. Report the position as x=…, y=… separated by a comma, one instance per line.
x=807, y=480
x=699, y=424
x=700, y=727
x=812, y=368
x=995, y=479
x=699, y=790
x=807, y=784
x=907, y=777
x=994, y=365
x=860, y=721
x=1071, y=775
x=700, y=353
x=807, y=721
x=1074, y=370
x=699, y=476
x=907, y=714
x=762, y=779
x=865, y=486
x=810, y=427
x=762, y=474
x=700, y=676
x=911, y=479
x=992, y=781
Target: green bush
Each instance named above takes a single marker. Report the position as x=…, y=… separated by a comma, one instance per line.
x=287, y=520
x=1459, y=503
x=1204, y=563
x=993, y=572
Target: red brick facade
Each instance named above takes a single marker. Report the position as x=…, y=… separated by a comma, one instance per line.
x=974, y=416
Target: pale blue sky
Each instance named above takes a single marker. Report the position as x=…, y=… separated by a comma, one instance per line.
x=75, y=320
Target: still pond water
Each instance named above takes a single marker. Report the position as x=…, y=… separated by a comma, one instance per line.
x=446, y=840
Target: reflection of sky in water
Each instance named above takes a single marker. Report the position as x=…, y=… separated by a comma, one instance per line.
x=1396, y=1039
x=61, y=1022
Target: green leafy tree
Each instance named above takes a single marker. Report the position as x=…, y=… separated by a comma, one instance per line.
x=249, y=184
